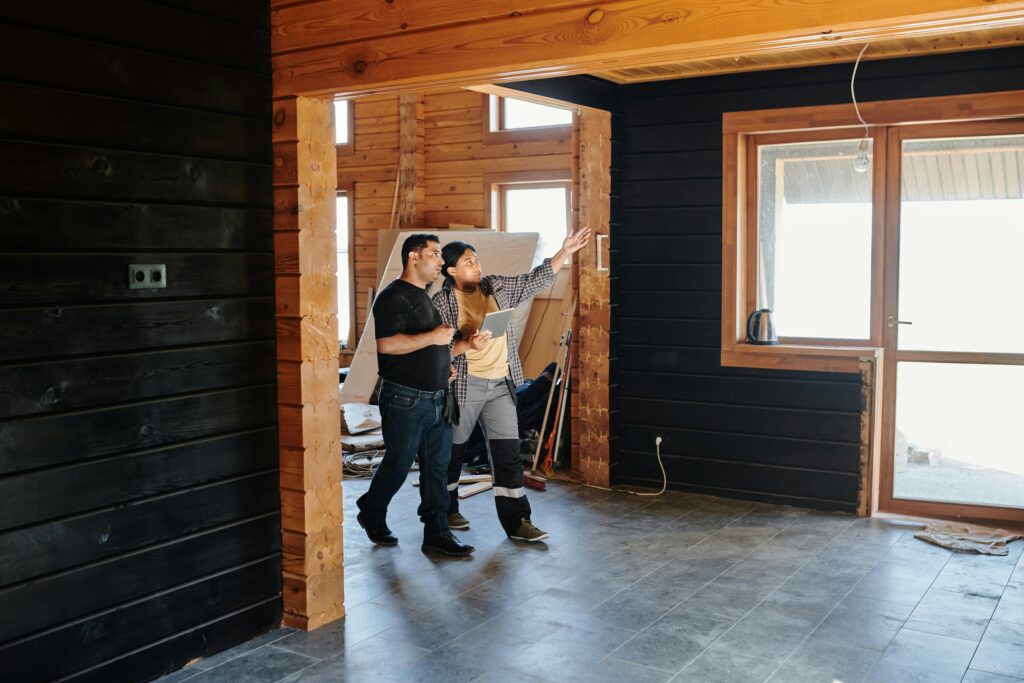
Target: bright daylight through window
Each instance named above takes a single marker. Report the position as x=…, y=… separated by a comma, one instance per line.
x=544, y=210
x=344, y=272
x=814, y=240
x=518, y=114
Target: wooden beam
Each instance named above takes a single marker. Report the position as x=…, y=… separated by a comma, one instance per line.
x=473, y=49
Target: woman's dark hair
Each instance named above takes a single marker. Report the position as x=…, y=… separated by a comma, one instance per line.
x=451, y=253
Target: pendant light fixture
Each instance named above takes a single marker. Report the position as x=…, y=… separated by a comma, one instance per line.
x=862, y=162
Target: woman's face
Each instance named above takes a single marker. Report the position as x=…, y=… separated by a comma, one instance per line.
x=466, y=270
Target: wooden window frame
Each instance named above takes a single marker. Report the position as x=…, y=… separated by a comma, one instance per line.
x=740, y=133
x=501, y=135
x=349, y=148
x=494, y=182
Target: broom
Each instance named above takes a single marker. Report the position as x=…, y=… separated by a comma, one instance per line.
x=531, y=478
x=548, y=467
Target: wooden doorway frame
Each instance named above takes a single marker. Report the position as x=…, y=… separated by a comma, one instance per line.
x=305, y=187
x=892, y=355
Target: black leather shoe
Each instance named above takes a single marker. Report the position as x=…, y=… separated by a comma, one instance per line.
x=381, y=535
x=447, y=545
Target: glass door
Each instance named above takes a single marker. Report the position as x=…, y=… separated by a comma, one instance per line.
x=954, y=323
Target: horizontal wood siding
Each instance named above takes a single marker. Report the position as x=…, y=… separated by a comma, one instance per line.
x=140, y=525
x=781, y=436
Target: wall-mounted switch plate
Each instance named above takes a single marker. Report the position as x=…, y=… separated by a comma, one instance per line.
x=147, y=276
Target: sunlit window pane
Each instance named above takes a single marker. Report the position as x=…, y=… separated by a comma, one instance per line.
x=814, y=240
x=539, y=209
x=341, y=132
x=961, y=241
x=957, y=433
x=523, y=114
x=344, y=275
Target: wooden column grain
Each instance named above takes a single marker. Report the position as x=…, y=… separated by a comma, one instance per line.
x=411, y=161
x=305, y=186
x=594, y=316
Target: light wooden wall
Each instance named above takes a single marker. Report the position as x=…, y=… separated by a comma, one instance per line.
x=459, y=167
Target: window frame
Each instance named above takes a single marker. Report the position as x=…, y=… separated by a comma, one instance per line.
x=739, y=204
x=752, y=181
x=493, y=110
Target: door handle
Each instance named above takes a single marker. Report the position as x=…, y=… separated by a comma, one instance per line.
x=893, y=322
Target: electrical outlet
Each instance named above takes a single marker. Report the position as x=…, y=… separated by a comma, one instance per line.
x=147, y=276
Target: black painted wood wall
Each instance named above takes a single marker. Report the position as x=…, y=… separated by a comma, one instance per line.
x=781, y=436
x=139, y=509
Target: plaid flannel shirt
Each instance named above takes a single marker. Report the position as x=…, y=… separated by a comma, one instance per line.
x=508, y=291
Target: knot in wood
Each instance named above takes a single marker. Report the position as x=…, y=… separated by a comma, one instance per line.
x=279, y=117
x=359, y=66
x=595, y=16
x=101, y=166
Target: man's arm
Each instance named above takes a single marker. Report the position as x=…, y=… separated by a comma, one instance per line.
x=401, y=344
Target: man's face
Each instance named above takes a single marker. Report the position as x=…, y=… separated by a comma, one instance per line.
x=427, y=261
x=466, y=270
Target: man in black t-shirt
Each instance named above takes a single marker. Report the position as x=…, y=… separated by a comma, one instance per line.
x=415, y=369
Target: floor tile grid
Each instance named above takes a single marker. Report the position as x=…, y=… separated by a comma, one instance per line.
x=847, y=594
x=823, y=618
x=738, y=523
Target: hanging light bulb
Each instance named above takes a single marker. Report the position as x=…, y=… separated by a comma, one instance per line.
x=863, y=162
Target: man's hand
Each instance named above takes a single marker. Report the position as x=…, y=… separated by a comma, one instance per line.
x=453, y=375
x=442, y=335
x=575, y=241
x=479, y=340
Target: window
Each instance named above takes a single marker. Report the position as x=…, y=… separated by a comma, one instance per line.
x=508, y=113
x=831, y=251
x=813, y=231
x=343, y=125
x=344, y=214
x=508, y=119
x=534, y=207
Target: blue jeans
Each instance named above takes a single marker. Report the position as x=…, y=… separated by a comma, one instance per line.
x=413, y=424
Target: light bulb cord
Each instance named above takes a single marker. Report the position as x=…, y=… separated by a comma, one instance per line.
x=853, y=92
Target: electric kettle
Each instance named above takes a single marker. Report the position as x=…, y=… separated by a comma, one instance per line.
x=761, y=328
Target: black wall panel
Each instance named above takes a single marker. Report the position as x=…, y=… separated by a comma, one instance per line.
x=139, y=527
x=781, y=436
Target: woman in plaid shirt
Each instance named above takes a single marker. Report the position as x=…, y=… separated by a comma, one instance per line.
x=487, y=372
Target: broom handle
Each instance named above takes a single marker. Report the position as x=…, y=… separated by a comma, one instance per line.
x=550, y=444
x=566, y=331
x=562, y=408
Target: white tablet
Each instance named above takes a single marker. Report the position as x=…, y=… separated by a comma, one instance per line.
x=497, y=322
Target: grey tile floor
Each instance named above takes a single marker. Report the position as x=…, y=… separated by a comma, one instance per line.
x=680, y=587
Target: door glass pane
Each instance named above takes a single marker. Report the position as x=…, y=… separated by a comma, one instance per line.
x=958, y=433
x=961, y=244
x=814, y=239
x=539, y=209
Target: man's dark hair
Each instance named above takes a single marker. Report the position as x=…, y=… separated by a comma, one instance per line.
x=451, y=254
x=415, y=243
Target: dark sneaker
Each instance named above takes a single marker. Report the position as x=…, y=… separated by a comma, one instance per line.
x=528, y=532
x=457, y=521
x=447, y=545
x=381, y=535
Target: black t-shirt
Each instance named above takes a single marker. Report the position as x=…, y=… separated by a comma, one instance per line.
x=402, y=308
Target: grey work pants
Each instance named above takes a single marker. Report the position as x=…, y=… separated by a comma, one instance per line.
x=489, y=401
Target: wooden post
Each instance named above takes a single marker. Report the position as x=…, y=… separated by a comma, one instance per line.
x=305, y=186
x=594, y=317
x=411, y=161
